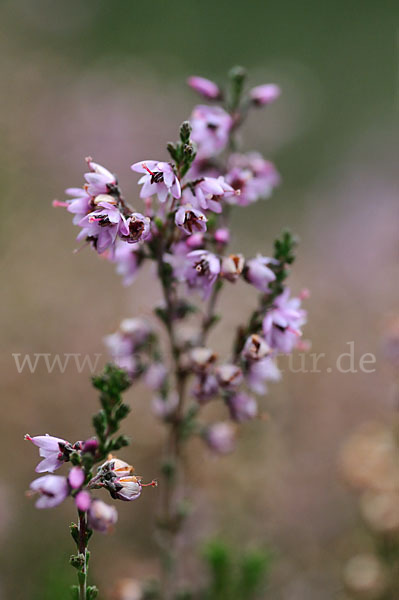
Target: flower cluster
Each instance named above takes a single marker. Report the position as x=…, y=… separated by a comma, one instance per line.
x=183, y=231
x=102, y=214
x=113, y=474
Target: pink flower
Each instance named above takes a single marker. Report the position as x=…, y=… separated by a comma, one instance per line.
x=208, y=193
x=259, y=273
x=102, y=517
x=210, y=129
x=242, y=407
x=127, y=261
x=156, y=375
x=99, y=179
x=102, y=226
x=222, y=236
x=262, y=95
x=51, y=449
x=206, y=387
x=202, y=271
x=282, y=323
x=205, y=87
x=83, y=500
x=79, y=205
x=221, y=437
x=53, y=490
x=252, y=176
x=190, y=220
x=76, y=477
x=139, y=228
x=260, y=372
x=159, y=178
x=164, y=407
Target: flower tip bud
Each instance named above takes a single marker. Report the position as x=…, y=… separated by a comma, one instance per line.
x=204, y=87
x=262, y=95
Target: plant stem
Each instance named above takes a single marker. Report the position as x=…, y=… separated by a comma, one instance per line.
x=170, y=519
x=82, y=548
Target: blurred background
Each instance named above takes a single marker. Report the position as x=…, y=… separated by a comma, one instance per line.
x=107, y=79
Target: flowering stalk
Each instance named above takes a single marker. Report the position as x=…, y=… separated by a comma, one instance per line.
x=113, y=475
x=183, y=230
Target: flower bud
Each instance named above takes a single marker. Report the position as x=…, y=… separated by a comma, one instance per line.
x=165, y=407
x=220, y=437
x=232, y=267
x=104, y=198
x=102, y=516
x=256, y=348
x=76, y=477
x=127, y=488
x=156, y=375
x=83, y=500
x=242, y=407
x=207, y=88
x=263, y=95
x=137, y=329
x=222, y=236
x=229, y=375
x=202, y=358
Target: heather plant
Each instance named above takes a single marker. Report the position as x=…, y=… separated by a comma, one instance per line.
x=183, y=230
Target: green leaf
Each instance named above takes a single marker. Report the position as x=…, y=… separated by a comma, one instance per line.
x=74, y=529
x=91, y=592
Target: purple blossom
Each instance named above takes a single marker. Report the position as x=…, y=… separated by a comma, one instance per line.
x=159, y=178
x=242, y=407
x=53, y=490
x=208, y=193
x=220, y=437
x=156, y=375
x=267, y=93
x=164, y=407
x=103, y=225
x=190, y=219
x=210, y=129
x=222, y=236
x=102, y=517
x=76, y=477
x=83, y=500
x=205, y=87
x=206, y=387
x=79, y=205
x=51, y=449
x=252, y=176
x=282, y=323
x=202, y=271
x=260, y=372
x=258, y=273
x=136, y=329
x=127, y=261
x=195, y=241
x=99, y=179
x=139, y=228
